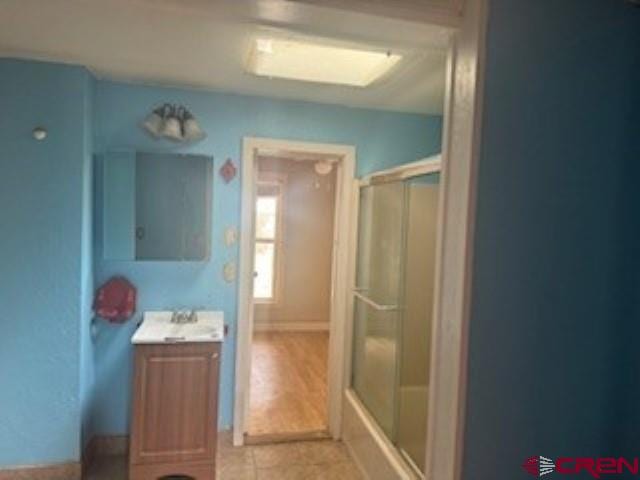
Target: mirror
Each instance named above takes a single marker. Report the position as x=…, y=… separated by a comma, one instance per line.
x=157, y=206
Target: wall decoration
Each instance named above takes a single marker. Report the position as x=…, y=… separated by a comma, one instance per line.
x=115, y=300
x=228, y=171
x=174, y=122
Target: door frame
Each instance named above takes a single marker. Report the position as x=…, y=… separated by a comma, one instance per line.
x=461, y=142
x=340, y=272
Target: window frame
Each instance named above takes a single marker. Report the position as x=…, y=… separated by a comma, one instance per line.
x=277, y=181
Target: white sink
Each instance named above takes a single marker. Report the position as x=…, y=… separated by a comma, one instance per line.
x=157, y=327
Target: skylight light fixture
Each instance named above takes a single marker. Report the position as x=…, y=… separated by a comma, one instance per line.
x=317, y=62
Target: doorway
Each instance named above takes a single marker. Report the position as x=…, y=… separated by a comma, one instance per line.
x=462, y=114
x=294, y=220
x=296, y=207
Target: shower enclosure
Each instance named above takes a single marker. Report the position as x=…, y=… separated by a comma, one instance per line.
x=393, y=305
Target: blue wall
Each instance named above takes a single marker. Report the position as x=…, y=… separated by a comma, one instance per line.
x=555, y=270
x=87, y=360
x=552, y=361
x=44, y=258
x=382, y=139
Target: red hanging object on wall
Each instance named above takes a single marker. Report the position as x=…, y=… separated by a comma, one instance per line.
x=115, y=301
x=228, y=171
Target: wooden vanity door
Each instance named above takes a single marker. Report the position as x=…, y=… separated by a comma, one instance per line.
x=175, y=403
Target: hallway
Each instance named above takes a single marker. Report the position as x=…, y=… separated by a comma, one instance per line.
x=288, y=383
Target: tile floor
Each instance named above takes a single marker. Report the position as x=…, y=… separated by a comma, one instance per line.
x=312, y=460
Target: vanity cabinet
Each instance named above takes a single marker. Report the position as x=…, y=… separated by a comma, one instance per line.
x=175, y=411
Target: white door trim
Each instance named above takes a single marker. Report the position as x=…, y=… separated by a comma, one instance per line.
x=346, y=155
x=446, y=14
x=461, y=149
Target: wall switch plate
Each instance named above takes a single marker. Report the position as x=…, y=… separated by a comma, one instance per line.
x=229, y=272
x=230, y=236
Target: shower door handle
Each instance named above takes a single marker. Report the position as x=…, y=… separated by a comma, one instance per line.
x=376, y=306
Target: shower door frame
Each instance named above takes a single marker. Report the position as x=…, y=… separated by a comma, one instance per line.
x=425, y=166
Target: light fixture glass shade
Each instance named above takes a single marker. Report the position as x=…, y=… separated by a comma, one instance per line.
x=323, y=167
x=191, y=129
x=172, y=128
x=153, y=122
x=173, y=122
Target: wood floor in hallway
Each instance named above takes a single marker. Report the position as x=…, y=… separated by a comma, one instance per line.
x=288, y=383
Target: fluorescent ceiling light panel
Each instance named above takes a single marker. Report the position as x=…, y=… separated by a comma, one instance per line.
x=316, y=62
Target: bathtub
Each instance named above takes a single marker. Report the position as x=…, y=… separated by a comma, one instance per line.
x=411, y=424
x=373, y=452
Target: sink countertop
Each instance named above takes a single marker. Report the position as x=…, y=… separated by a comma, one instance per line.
x=156, y=328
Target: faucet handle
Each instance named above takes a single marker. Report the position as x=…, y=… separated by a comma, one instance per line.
x=181, y=316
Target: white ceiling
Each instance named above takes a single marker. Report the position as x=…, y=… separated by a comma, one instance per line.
x=204, y=43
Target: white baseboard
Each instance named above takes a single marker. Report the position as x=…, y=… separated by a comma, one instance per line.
x=291, y=327
x=70, y=471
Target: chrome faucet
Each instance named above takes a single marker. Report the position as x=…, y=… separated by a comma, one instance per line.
x=184, y=316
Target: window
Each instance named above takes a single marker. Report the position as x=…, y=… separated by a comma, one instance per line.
x=268, y=239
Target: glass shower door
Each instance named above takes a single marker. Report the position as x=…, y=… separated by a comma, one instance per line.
x=377, y=296
x=417, y=310
x=394, y=306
